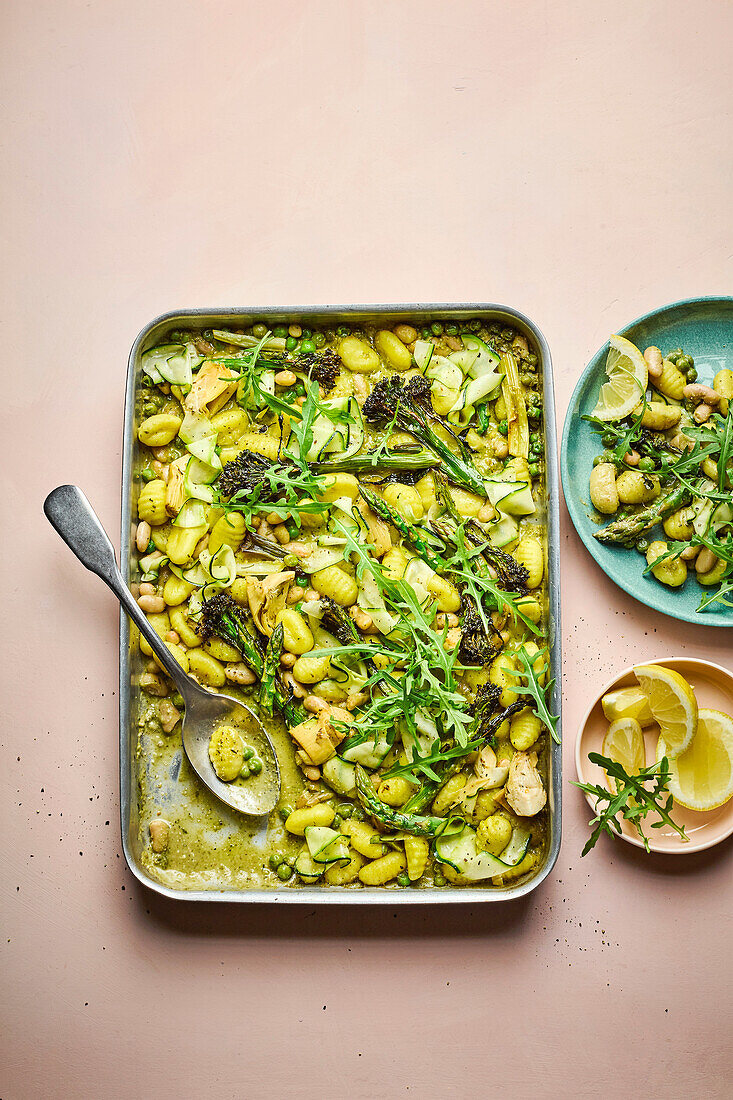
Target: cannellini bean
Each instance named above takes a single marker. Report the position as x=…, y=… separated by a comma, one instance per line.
x=142, y=536
x=485, y=513
x=159, y=469
x=361, y=618
x=654, y=360
x=360, y=386
x=294, y=594
x=314, y=703
x=298, y=689
x=240, y=674
x=632, y=458
x=285, y=378
x=705, y=560
x=172, y=636
x=310, y=594
x=273, y=519
x=287, y=660
x=406, y=333
x=702, y=413
x=159, y=835
x=264, y=529
x=696, y=391
x=356, y=699
x=446, y=618
x=146, y=589
x=151, y=605
x=169, y=715
x=312, y=773
x=282, y=534
x=295, y=330
x=690, y=553
x=452, y=638
x=152, y=683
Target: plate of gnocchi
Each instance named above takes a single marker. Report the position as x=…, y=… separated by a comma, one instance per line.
x=647, y=460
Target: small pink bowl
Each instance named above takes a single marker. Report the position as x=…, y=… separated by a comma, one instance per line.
x=713, y=686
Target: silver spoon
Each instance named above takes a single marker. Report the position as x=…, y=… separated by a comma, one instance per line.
x=69, y=511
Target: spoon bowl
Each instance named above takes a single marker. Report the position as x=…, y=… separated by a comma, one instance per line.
x=72, y=516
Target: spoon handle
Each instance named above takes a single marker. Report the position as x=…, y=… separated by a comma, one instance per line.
x=71, y=514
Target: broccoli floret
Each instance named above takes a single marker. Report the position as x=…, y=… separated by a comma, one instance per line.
x=485, y=702
x=476, y=647
x=323, y=369
x=247, y=472
x=411, y=409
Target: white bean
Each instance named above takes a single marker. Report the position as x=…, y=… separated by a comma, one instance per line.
x=142, y=536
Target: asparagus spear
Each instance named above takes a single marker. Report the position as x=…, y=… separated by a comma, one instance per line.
x=387, y=460
x=416, y=824
x=270, y=666
x=624, y=530
x=407, y=530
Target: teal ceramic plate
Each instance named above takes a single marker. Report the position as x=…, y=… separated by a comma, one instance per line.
x=704, y=328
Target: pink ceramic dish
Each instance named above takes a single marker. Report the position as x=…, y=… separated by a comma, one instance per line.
x=713, y=686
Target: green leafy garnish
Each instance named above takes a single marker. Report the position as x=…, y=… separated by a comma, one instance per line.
x=527, y=683
x=632, y=800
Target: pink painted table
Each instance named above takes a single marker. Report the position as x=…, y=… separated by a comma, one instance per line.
x=571, y=159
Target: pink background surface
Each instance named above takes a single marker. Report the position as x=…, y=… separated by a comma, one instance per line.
x=571, y=159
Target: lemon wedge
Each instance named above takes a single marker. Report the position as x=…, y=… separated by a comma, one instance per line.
x=628, y=377
x=702, y=777
x=673, y=704
x=624, y=744
x=628, y=702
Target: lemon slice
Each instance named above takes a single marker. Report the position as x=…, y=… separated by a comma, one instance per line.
x=628, y=377
x=628, y=702
x=624, y=744
x=673, y=704
x=702, y=777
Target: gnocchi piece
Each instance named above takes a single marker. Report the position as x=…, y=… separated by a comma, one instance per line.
x=335, y=583
x=448, y=793
x=494, y=833
x=678, y=525
x=395, y=791
x=309, y=670
x=603, y=491
x=426, y=488
x=417, y=851
x=223, y=651
x=151, y=503
x=447, y=596
x=179, y=654
x=299, y=820
x=500, y=673
x=159, y=430
x=364, y=838
x=227, y=531
x=394, y=563
x=341, y=875
x=635, y=487
x=524, y=729
x=226, y=753
x=161, y=625
x=671, y=382
x=297, y=636
x=391, y=348
x=182, y=542
x=467, y=504
x=714, y=574
x=175, y=591
x=659, y=416
x=206, y=668
x=231, y=425
x=383, y=870
x=339, y=485
x=672, y=572
x=723, y=384
x=530, y=608
x=179, y=623
x=406, y=500
x=528, y=553
x=358, y=356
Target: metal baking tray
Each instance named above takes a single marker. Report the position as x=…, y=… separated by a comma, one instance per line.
x=132, y=781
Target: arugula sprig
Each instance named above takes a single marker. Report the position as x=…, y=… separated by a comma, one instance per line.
x=527, y=683
x=435, y=756
x=632, y=800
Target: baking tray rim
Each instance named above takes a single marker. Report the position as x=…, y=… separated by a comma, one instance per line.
x=309, y=895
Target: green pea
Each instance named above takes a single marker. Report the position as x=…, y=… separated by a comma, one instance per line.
x=534, y=413
x=319, y=339
x=256, y=766
x=438, y=879
x=608, y=439
x=245, y=772
x=178, y=700
x=290, y=560
x=337, y=819
x=259, y=330
x=436, y=328
x=598, y=460
x=358, y=813
x=692, y=375
x=451, y=330
x=642, y=545
x=475, y=325
x=534, y=437
x=298, y=390
x=307, y=346
x=674, y=355
x=403, y=879
x=533, y=469
x=302, y=582
x=646, y=464
x=503, y=428
x=683, y=363
x=494, y=328
x=150, y=547
x=284, y=872
x=307, y=333
x=291, y=343
x=249, y=752
x=342, y=330
x=275, y=861
x=280, y=331
x=148, y=474
x=345, y=809
x=285, y=811
x=507, y=333
x=293, y=531
x=426, y=333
